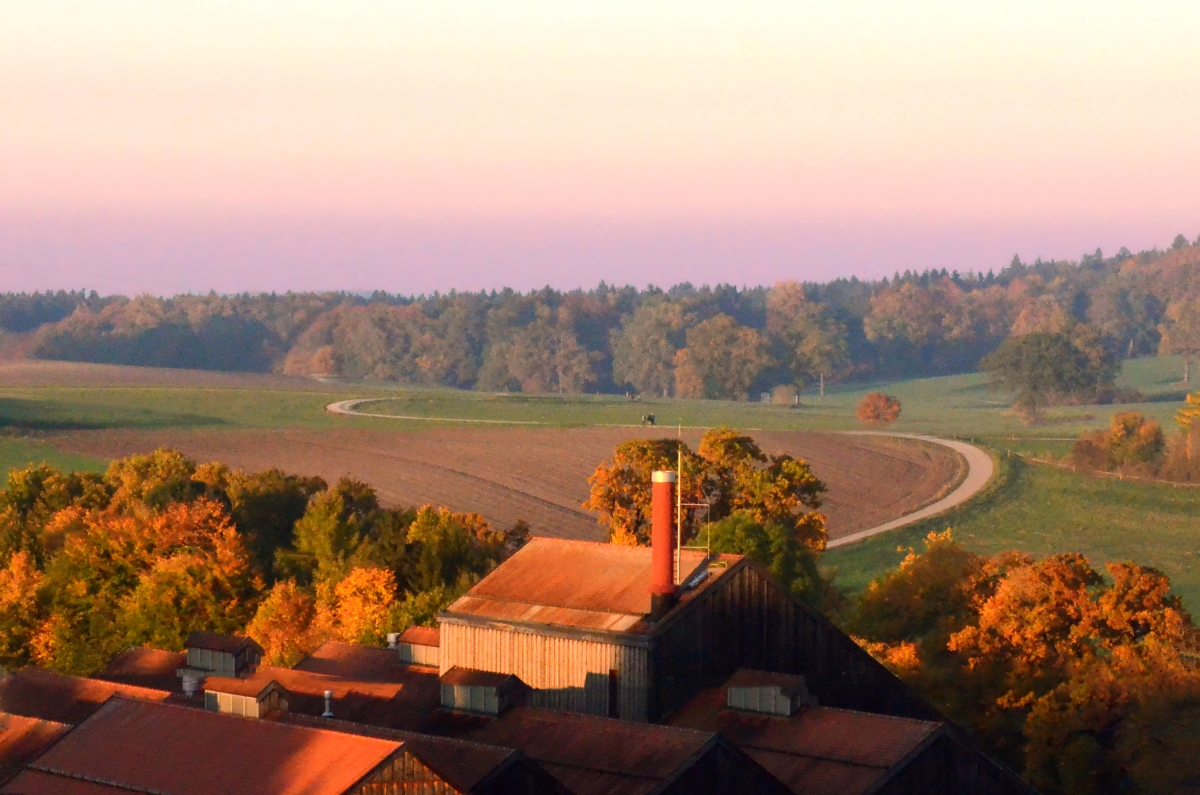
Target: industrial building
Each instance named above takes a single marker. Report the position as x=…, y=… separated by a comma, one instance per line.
x=573, y=667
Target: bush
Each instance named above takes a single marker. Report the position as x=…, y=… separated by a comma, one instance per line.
x=1131, y=444
x=878, y=407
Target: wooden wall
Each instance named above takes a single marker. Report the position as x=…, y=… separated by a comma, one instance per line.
x=748, y=621
x=565, y=673
x=404, y=774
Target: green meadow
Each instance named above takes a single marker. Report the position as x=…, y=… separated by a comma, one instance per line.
x=1033, y=507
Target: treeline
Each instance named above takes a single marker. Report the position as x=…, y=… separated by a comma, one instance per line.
x=159, y=547
x=717, y=342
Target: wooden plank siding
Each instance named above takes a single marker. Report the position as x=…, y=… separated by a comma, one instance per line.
x=748, y=621
x=564, y=673
x=404, y=774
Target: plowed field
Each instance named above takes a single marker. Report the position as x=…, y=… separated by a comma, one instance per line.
x=540, y=474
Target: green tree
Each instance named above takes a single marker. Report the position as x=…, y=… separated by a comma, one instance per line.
x=645, y=346
x=1041, y=368
x=777, y=548
x=1181, y=333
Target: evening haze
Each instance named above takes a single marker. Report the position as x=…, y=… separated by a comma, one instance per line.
x=188, y=146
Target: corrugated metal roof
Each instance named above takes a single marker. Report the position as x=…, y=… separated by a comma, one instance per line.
x=37, y=782
x=470, y=677
x=146, y=667
x=213, y=641
x=578, y=584
x=421, y=636
x=252, y=686
x=38, y=693
x=352, y=661
x=176, y=749
x=406, y=702
x=613, y=755
x=21, y=739
x=817, y=750
x=462, y=763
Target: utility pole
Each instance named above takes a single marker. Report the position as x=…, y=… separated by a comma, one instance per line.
x=822, y=377
x=678, y=503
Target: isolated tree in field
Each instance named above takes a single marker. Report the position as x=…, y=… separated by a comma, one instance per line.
x=721, y=360
x=1181, y=334
x=878, y=408
x=644, y=348
x=1042, y=368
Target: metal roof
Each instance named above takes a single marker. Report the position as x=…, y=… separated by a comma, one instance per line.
x=462, y=763
x=581, y=585
x=818, y=749
x=471, y=677
x=421, y=636
x=144, y=666
x=37, y=782
x=38, y=693
x=595, y=756
x=212, y=641
x=405, y=702
x=352, y=661
x=183, y=750
x=21, y=739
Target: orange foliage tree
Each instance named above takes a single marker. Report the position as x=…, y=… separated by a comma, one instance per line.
x=878, y=407
x=1132, y=442
x=729, y=472
x=1088, y=682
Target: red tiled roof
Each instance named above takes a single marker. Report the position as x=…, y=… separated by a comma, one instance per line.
x=37, y=782
x=578, y=584
x=817, y=750
x=38, y=693
x=172, y=749
x=595, y=756
x=146, y=667
x=421, y=636
x=213, y=641
x=21, y=739
x=351, y=661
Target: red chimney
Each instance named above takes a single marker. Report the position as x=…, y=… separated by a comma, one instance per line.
x=662, y=542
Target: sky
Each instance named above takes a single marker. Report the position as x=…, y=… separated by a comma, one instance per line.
x=258, y=145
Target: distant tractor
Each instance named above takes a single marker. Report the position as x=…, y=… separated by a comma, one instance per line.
x=649, y=419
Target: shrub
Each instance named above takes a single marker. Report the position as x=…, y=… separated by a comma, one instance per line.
x=1131, y=443
x=878, y=407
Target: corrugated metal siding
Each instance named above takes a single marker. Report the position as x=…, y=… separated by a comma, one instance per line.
x=747, y=621
x=565, y=673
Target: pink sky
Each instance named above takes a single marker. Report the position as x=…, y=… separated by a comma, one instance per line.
x=167, y=147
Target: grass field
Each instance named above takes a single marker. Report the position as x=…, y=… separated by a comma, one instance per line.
x=1042, y=510
x=1036, y=508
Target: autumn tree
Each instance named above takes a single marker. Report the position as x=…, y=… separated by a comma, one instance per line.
x=721, y=361
x=804, y=335
x=1131, y=442
x=877, y=407
x=1056, y=668
x=729, y=472
x=284, y=624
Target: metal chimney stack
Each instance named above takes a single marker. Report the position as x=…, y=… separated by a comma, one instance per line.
x=328, y=713
x=662, y=540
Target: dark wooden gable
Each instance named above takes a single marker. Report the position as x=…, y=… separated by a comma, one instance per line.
x=748, y=621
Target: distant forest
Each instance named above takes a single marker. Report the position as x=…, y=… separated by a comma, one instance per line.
x=716, y=342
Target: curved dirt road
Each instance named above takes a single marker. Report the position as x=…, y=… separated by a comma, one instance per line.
x=979, y=466
x=979, y=471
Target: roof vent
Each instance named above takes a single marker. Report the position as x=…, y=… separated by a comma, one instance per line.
x=419, y=646
x=468, y=690
x=767, y=693
x=328, y=713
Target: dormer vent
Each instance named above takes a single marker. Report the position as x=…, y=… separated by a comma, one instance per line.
x=767, y=693
x=484, y=692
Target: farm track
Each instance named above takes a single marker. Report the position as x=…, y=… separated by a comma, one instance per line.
x=539, y=474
